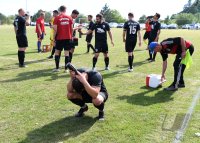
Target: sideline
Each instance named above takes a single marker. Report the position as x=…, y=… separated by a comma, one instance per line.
x=181, y=131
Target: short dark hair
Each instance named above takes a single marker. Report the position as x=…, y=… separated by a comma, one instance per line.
x=90, y=16
x=130, y=14
x=99, y=15
x=77, y=85
x=55, y=11
x=62, y=8
x=20, y=10
x=75, y=11
x=158, y=15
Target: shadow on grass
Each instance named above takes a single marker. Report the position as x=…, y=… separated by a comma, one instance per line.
x=36, y=74
x=112, y=74
x=60, y=130
x=145, y=100
x=15, y=54
x=135, y=64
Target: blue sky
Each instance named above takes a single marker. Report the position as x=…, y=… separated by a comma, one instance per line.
x=138, y=7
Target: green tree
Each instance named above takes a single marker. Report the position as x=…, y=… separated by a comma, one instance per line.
x=167, y=20
x=3, y=19
x=142, y=19
x=81, y=18
x=185, y=18
x=37, y=15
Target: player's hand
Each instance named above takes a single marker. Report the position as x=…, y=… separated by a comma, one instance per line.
x=81, y=77
x=140, y=44
x=183, y=54
x=124, y=40
x=112, y=43
x=72, y=74
x=163, y=78
x=54, y=43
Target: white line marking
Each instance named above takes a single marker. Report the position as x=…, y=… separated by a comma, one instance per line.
x=181, y=131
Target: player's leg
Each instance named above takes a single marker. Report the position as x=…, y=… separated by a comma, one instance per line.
x=99, y=103
x=39, y=42
x=59, y=48
x=67, y=49
x=95, y=58
x=106, y=60
x=22, y=44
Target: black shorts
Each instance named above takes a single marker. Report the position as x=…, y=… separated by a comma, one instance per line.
x=88, y=99
x=22, y=41
x=88, y=38
x=101, y=48
x=146, y=35
x=130, y=45
x=60, y=44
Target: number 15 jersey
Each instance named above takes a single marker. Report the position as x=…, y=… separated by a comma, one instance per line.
x=131, y=27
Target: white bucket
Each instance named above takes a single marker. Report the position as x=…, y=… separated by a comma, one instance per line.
x=153, y=80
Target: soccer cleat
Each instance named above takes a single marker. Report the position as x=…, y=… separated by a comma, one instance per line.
x=66, y=71
x=107, y=68
x=80, y=113
x=153, y=60
x=55, y=70
x=93, y=68
x=23, y=66
x=148, y=59
x=181, y=85
x=171, y=88
x=130, y=69
x=50, y=57
x=101, y=116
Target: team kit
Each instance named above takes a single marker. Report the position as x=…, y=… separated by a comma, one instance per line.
x=87, y=86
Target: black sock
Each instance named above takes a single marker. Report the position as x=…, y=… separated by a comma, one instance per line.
x=94, y=61
x=88, y=48
x=130, y=61
x=154, y=55
x=100, y=107
x=70, y=57
x=92, y=47
x=67, y=60
x=53, y=51
x=106, y=60
x=150, y=55
x=57, y=60
x=21, y=57
x=78, y=102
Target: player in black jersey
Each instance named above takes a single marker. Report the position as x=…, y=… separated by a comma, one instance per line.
x=154, y=34
x=87, y=87
x=131, y=29
x=20, y=23
x=101, y=28
x=89, y=36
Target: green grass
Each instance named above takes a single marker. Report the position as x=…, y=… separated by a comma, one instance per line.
x=34, y=108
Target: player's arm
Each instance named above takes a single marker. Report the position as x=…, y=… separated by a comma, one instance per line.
x=140, y=38
x=39, y=29
x=15, y=29
x=87, y=33
x=111, y=37
x=27, y=18
x=55, y=32
x=183, y=46
x=124, y=35
x=69, y=86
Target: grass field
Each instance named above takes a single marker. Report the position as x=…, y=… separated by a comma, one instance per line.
x=34, y=108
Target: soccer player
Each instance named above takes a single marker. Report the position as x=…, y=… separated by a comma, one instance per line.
x=89, y=36
x=63, y=27
x=20, y=23
x=55, y=13
x=87, y=87
x=154, y=34
x=101, y=28
x=131, y=29
x=40, y=30
x=74, y=15
x=178, y=46
x=148, y=29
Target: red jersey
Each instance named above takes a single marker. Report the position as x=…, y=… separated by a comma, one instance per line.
x=40, y=21
x=64, y=27
x=148, y=26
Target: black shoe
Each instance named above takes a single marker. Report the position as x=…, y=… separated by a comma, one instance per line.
x=101, y=116
x=149, y=59
x=171, y=88
x=153, y=60
x=50, y=57
x=181, y=85
x=80, y=113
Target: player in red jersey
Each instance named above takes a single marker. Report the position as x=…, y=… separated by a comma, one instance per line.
x=40, y=30
x=63, y=28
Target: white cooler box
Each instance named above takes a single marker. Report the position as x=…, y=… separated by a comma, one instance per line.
x=153, y=80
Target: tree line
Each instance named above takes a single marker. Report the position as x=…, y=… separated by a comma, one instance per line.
x=190, y=14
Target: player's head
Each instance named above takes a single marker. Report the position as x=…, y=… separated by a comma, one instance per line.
x=90, y=17
x=77, y=85
x=157, y=16
x=55, y=13
x=74, y=14
x=62, y=9
x=42, y=14
x=99, y=18
x=21, y=12
x=130, y=15
x=155, y=47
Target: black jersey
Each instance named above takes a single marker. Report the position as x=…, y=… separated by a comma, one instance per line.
x=100, y=32
x=20, y=25
x=90, y=25
x=96, y=79
x=131, y=27
x=155, y=26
